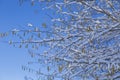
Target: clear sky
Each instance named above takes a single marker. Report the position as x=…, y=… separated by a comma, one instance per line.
x=12, y=15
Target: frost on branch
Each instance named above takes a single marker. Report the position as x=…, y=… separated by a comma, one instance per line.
x=83, y=41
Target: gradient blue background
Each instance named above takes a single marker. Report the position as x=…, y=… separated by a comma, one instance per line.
x=12, y=15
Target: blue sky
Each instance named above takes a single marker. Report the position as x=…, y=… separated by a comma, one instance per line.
x=12, y=15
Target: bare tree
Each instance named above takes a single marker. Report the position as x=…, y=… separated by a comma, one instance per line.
x=83, y=42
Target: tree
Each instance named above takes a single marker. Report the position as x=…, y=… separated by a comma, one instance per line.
x=83, y=41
